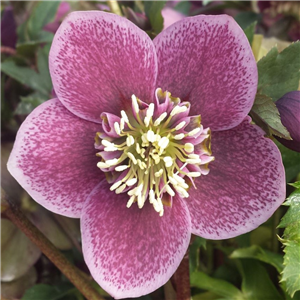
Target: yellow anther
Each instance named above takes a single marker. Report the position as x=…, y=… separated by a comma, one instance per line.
x=124, y=116
x=129, y=140
x=131, y=156
x=188, y=147
x=194, y=131
x=180, y=125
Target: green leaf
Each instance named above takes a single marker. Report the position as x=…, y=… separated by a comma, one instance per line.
x=153, y=12
x=296, y=296
x=43, y=66
x=49, y=292
x=44, y=37
x=29, y=103
x=262, y=236
x=295, y=185
x=291, y=241
x=18, y=252
x=184, y=7
x=25, y=76
x=217, y=286
x=40, y=291
x=206, y=296
x=291, y=273
x=256, y=284
x=259, y=253
x=291, y=162
x=194, y=252
x=247, y=18
x=279, y=73
x=249, y=32
x=43, y=13
x=291, y=220
x=266, y=115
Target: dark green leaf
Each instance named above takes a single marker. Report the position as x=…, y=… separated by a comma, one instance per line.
x=206, y=296
x=153, y=12
x=183, y=7
x=228, y=272
x=279, y=73
x=249, y=31
x=43, y=66
x=291, y=241
x=262, y=236
x=217, y=286
x=243, y=240
x=259, y=253
x=25, y=76
x=256, y=284
x=247, y=18
x=194, y=252
x=291, y=219
x=48, y=292
x=27, y=46
x=291, y=162
x=6, y=110
x=266, y=115
x=43, y=13
x=29, y=103
x=18, y=252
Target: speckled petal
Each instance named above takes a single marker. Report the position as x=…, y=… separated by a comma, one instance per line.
x=208, y=61
x=130, y=251
x=246, y=184
x=98, y=60
x=54, y=158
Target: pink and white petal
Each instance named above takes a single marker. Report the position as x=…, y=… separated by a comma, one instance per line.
x=130, y=251
x=54, y=158
x=208, y=61
x=246, y=184
x=98, y=60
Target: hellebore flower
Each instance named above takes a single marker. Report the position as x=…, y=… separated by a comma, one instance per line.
x=171, y=16
x=137, y=103
x=63, y=9
x=8, y=28
x=289, y=109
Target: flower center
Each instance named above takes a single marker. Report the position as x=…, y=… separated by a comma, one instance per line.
x=153, y=152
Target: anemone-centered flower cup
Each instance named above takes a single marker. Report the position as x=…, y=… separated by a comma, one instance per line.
x=149, y=187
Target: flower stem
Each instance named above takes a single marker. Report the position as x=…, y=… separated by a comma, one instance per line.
x=169, y=291
x=114, y=7
x=59, y=260
x=182, y=279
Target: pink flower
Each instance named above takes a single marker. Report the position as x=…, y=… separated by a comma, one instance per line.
x=142, y=196
x=63, y=9
x=171, y=16
x=289, y=109
x=8, y=28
